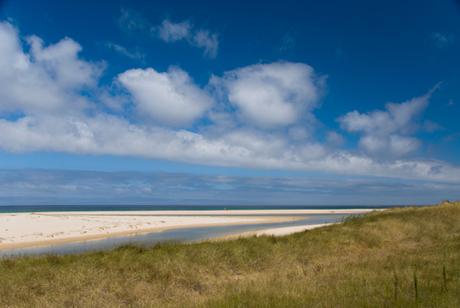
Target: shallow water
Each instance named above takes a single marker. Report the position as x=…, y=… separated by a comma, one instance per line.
x=175, y=235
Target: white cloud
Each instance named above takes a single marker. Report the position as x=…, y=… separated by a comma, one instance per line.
x=169, y=98
x=104, y=134
x=209, y=42
x=388, y=132
x=391, y=144
x=299, y=133
x=40, y=85
x=47, y=79
x=61, y=63
x=272, y=95
x=170, y=31
x=334, y=138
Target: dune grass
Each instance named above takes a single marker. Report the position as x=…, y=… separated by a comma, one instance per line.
x=408, y=257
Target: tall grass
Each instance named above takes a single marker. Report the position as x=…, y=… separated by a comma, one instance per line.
x=407, y=257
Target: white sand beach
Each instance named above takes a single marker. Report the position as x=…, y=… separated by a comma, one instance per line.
x=43, y=228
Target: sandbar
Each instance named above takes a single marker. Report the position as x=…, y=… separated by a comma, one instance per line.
x=19, y=230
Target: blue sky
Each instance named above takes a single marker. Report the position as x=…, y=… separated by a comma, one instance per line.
x=289, y=102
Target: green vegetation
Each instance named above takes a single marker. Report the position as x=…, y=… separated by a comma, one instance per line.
x=401, y=257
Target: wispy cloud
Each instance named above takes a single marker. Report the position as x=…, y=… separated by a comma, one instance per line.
x=207, y=41
x=29, y=187
x=135, y=55
x=131, y=20
x=442, y=40
x=288, y=42
x=170, y=31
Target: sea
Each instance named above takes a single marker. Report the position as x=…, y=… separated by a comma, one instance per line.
x=131, y=207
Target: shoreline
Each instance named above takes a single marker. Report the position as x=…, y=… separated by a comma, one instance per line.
x=38, y=229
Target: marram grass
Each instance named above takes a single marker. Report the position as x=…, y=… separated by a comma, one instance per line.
x=408, y=257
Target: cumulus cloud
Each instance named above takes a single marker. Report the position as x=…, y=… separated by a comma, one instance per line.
x=60, y=61
x=45, y=80
x=169, y=98
x=272, y=95
x=170, y=31
x=46, y=83
x=389, y=131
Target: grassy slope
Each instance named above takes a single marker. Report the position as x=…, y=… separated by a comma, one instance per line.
x=372, y=261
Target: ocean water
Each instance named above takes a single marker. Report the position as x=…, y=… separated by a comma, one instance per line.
x=59, y=208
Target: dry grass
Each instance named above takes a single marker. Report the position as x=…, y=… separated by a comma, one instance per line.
x=400, y=257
